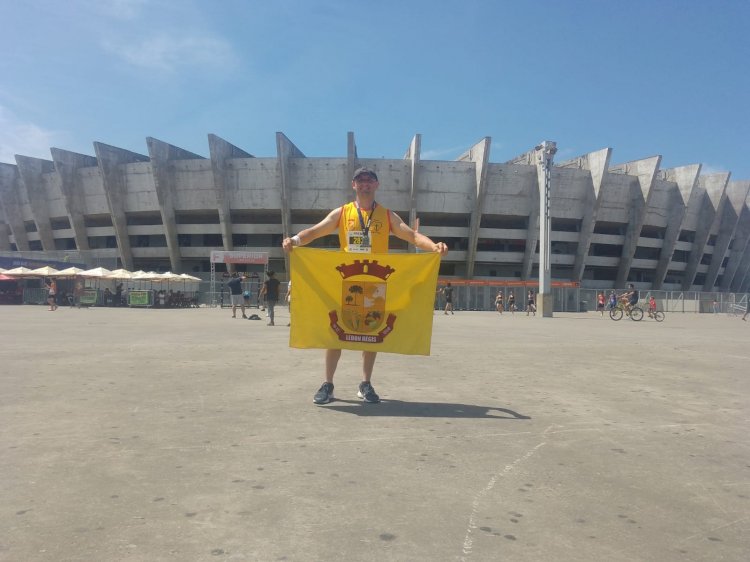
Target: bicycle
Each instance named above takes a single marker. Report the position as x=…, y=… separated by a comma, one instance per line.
x=635, y=313
x=657, y=315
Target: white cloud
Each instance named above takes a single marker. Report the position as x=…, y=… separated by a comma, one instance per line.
x=26, y=139
x=170, y=53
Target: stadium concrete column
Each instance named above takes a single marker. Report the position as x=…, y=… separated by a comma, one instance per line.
x=31, y=171
x=479, y=154
x=220, y=152
x=645, y=172
x=744, y=262
x=713, y=187
x=67, y=164
x=532, y=226
x=736, y=193
x=597, y=163
x=285, y=150
x=742, y=271
x=545, y=154
x=111, y=161
x=10, y=195
x=685, y=179
x=740, y=277
x=739, y=248
x=4, y=231
x=165, y=183
x=413, y=154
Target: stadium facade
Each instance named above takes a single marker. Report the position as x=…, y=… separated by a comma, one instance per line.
x=671, y=229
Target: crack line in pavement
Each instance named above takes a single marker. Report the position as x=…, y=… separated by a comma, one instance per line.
x=468, y=541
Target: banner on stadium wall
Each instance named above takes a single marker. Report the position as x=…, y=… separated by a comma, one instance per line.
x=368, y=302
x=258, y=258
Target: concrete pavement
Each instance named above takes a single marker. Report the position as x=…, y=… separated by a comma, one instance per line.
x=149, y=435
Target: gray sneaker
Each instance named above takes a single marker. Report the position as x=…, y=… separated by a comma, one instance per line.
x=367, y=393
x=325, y=394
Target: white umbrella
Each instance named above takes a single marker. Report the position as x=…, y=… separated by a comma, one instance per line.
x=145, y=276
x=169, y=276
x=96, y=272
x=20, y=272
x=69, y=272
x=187, y=277
x=45, y=271
x=149, y=276
x=119, y=274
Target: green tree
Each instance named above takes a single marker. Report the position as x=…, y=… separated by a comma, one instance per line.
x=356, y=290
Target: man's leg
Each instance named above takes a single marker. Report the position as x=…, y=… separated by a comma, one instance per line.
x=325, y=392
x=332, y=361
x=366, y=391
x=368, y=362
x=271, y=305
x=242, y=308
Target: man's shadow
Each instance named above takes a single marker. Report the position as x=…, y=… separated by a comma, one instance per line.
x=422, y=410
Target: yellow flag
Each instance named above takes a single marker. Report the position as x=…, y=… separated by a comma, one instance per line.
x=369, y=302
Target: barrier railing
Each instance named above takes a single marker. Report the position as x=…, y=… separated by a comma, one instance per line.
x=482, y=297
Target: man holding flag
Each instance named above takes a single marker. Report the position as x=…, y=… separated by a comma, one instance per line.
x=364, y=227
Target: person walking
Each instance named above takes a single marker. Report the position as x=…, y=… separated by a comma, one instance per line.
x=51, y=285
x=499, y=306
x=531, y=303
x=512, y=303
x=447, y=292
x=270, y=292
x=363, y=227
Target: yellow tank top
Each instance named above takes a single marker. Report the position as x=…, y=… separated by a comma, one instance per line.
x=350, y=229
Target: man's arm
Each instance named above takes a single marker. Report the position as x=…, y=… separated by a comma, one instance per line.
x=325, y=227
x=402, y=230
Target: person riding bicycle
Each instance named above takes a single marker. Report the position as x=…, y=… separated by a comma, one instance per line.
x=630, y=298
x=651, y=306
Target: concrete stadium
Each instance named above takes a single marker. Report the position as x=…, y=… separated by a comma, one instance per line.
x=661, y=229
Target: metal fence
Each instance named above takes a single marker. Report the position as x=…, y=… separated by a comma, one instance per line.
x=577, y=299
x=482, y=297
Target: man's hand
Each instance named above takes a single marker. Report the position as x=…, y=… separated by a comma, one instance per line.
x=441, y=248
x=287, y=245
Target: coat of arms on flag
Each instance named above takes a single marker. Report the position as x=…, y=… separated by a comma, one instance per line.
x=372, y=302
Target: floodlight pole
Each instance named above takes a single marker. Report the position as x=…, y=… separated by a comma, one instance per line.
x=545, y=153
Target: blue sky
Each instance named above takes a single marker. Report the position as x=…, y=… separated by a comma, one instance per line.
x=643, y=77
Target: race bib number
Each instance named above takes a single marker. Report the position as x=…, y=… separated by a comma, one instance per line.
x=358, y=242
